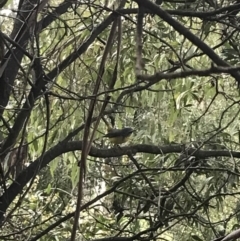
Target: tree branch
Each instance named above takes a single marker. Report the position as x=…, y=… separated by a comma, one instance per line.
x=63, y=147
x=187, y=34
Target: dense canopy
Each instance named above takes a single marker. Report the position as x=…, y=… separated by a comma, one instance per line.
x=73, y=71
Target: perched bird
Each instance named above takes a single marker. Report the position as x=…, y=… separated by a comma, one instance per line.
x=119, y=136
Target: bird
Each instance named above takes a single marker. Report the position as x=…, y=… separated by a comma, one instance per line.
x=119, y=136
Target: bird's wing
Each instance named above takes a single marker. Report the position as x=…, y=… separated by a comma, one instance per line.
x=119, y=133
x=114, y=133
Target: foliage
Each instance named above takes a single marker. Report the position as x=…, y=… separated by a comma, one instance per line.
x=178, y=177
